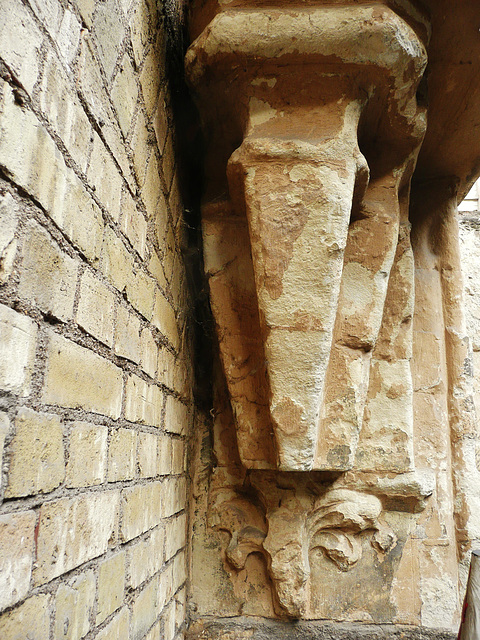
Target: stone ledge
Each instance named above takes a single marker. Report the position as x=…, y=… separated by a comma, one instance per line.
x=243, y=628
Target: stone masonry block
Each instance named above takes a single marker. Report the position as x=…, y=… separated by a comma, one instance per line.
x=20, y=42
x=8, y=242
x=116, y=263
x=122, y=455
x=109, y=34
x=156, y=269
x=164, y=319
x=144, y=611
x=111, y=585
x=134, y=225
x=96, y=308
x=4, y=429
x=37, y=462
x=141, y=28
x=175, y=535
x=77, y=378
x=16, y=556
x=143, y=402
x=127, y=335
x=149, y=353
x=86, y=8
x=140, y=509
x=64, y=111
x=178, y=456
x=74, y=530
x=30, y=620
x=167, y=364
x=73, y=607
x=177, y=416
x=152, y=186
x=34, y=162
x=17, y=351
x=117, y=628
x=125, y=94
x=147, y=455
x=141, y=293
x=48, y=276
x=141, y=147
x=146, y=557
x=174, y=496
x=87, y=462
x=104, y=176
x=151, y=75
x=164, y=454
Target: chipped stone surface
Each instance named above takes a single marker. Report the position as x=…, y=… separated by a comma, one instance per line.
x=343, y=422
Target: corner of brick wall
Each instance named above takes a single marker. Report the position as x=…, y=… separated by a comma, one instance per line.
x=95, y=360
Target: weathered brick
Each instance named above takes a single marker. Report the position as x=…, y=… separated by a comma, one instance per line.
x=4, y=430
x=125, y=94
x=104, y=176
x=175, y=535
x=122, y=455
x=161, y=222
x=48, y=276
x=174, y=495
x=165, y=587
x=141, y=147
x=155, y=632
x=146, y=558
x=37, y=463
x=169, y=618
x=144, y=610
x=166, y=366
x=16, y=556
x=143, y=402
x=20, y=41
x=177, y=416
x=140, y=509
x=34, y=162
x=178, y=456
x=74, y=602
x=87, y=462
x=160, y=122
x=109, y=34
x=8, y=242
x=86, y=8
x=151, y=75
x=17, y=351
x=147, y=455
x=117, y=629
x=164, y=319
x=168, y=160
x=30, y=620
x=74, y=530
x=141, y=28
x=141, y=293
x=156, y=269
x=164, y=455
x=149, y=353
x=127, y=335
x=95, y=308
x=152, y=186
x=116, y=263
x=77, y=378
x=111, y=585
x=64, y=111
x=134, y=225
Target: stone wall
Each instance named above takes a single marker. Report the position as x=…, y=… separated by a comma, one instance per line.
x=94, y=359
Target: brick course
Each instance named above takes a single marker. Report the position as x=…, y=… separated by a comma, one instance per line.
x=95, y=404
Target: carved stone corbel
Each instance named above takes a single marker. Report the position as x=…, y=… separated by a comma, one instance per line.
x=312, y=130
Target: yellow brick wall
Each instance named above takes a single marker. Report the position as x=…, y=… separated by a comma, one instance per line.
x=95, y=360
